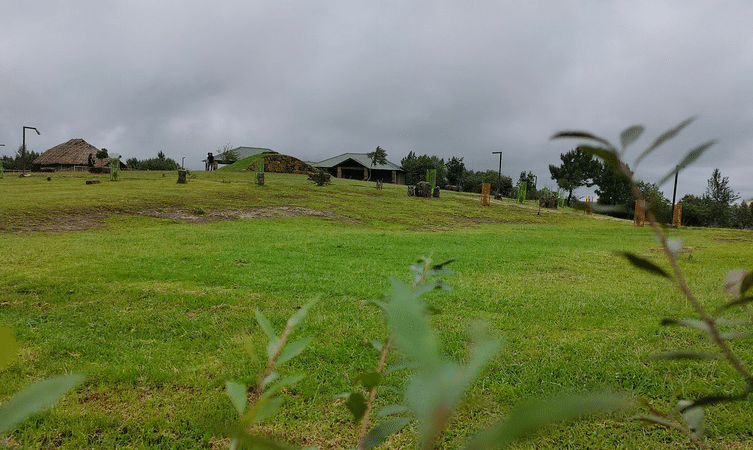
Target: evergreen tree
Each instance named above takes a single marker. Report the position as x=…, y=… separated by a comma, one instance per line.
x=415, y=168
x=455, y=171
x=577, y=169
x=721, y=196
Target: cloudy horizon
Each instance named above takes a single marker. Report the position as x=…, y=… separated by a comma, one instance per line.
x=317, y=79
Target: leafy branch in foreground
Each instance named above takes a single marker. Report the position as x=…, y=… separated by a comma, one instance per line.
x=436, y=386
x=688, y=415
x=264, y=400
x=37, y=397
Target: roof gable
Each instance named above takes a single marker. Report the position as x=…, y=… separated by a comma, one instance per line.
x=359, y=158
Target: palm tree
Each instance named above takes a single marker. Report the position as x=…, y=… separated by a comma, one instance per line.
x=378, y=156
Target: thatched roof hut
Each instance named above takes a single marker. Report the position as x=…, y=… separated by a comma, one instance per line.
x=72, y=156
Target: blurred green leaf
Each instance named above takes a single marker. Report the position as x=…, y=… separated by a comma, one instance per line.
x=441, y=266
x=269, y=379
x=740, y=302
x=654, y=419
x=292, y=350
x=667, y=135
x=8, y=347
x=277, y=387
x=399, y=366
x=689, y=159
x=237, y=394
x=265, y=325
x=730, y=335
x=379, y=433
x=356, y=404
x=630, y=135
x=747, y=283
x=608, y=156
x=368, y=379
x=733, y=282
x=684, y=354
x=693, y=416
x=690, y=323
x=268, y=408
x=644, y=264
x=251, y=441
x=376, y=345
x=391, y=410
x=39, y=396
x=582, y=135
x=407, y=318
x=299, y=315
x=533, y=415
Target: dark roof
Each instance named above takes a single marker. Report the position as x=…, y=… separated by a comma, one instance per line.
x=72, y=153
x=359, y=158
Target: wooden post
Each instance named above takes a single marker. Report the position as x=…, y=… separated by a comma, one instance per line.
x=260, y=178
x=485, y=194
x=339, y=172
x=640, y=213
x=677, y=216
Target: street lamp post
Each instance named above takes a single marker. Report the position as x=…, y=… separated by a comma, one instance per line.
x=499, y=175
x=23, y=150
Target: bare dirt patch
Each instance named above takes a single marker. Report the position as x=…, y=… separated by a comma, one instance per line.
x=94, y=218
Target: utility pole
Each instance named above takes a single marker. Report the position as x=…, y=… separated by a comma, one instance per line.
x=23, y=150
x=499, y=176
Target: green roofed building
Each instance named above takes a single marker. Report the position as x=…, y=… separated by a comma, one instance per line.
x=356, y=166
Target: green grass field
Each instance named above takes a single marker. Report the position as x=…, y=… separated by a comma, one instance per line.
x=149, y=287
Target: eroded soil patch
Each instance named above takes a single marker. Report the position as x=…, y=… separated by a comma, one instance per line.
x=94, y=218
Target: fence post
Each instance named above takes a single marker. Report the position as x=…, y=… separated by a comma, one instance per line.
x=640, y=213
x=677, y=216
x=485, y=194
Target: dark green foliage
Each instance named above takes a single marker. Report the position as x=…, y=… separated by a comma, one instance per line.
x=577, y=169
x=415, y=168
x=742, y=215
x=614, y=187
x=659, y=205
x=102, y=154
x=20, y=160
x=159, y=163
x=473, y=180
x=320, y=177
x=715, y=208
x=455, y=171
x=696, y=211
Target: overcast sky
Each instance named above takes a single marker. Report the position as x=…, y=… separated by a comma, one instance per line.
x=315, y=79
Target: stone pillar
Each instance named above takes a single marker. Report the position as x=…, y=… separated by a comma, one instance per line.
x=182, y=176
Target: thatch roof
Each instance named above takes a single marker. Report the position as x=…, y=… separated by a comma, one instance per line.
x=72, y=153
